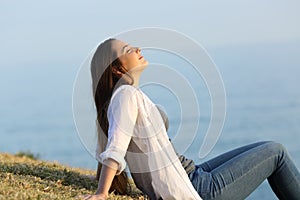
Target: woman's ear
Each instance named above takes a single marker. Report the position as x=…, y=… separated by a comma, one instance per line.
x=116, y=71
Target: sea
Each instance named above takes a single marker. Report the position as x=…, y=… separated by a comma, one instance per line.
x=261, y=85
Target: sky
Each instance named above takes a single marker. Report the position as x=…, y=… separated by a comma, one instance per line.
x=35, y=32
x=50, y=39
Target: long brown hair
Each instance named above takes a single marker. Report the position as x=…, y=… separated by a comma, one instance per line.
x=107, y=74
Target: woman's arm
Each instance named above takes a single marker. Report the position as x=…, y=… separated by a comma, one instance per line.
x=107, y=175
x=108, y=172
x=98, y=171
x=122, y=115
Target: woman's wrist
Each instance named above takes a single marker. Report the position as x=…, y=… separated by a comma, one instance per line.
x=101, y=193
x=100, y=196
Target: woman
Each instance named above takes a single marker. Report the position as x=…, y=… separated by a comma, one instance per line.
x=136, y=132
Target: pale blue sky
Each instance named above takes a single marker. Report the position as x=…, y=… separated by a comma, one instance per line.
x=44, y=42
x=65, y=31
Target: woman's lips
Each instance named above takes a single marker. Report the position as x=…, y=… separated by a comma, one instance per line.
x=141, y=57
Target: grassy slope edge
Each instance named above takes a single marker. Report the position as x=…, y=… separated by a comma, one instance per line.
x=22, y=177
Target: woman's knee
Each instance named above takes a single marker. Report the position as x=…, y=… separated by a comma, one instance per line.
x=276, y=147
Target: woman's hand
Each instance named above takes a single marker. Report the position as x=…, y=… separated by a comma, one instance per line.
x=95, y=197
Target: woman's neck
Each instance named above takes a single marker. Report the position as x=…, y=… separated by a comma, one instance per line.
x=136, y=77
x=136, y=74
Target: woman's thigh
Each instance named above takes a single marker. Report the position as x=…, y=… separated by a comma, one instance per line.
x=219, y=160
x=234, y=175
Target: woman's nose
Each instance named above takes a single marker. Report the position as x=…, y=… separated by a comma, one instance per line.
x=137, y=49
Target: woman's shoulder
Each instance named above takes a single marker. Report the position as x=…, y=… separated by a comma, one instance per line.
x=126, y=87
x=126, y=90
x=125, y=96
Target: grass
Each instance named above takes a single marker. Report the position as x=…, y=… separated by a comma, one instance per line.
x=23, y=176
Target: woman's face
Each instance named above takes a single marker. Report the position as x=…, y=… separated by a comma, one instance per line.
x=129, y=56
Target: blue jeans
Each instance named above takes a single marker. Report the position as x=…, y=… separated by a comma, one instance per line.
x=235, y=174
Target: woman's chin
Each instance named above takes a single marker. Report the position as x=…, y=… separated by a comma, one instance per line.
x=146, y=63
x=143, y=65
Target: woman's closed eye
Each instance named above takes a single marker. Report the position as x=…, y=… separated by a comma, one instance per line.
x=131, y=49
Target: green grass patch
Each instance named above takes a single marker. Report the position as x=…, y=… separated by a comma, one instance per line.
x=23, y=176
x=28, y=154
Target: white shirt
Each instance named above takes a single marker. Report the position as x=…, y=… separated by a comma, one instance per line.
x=134, y=117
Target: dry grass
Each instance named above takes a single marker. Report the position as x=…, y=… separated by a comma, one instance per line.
x=22, y=176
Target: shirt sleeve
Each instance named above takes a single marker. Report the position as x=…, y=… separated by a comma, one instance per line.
x=122, y=115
